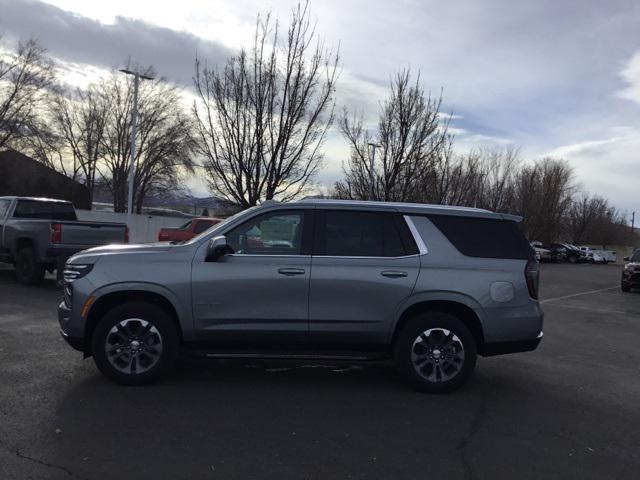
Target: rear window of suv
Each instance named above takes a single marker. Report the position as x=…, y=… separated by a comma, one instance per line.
x=484, y=237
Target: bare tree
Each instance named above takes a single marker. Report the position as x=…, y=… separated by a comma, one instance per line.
x=164, y=142
x=543, y=193
x=262, y=118
x=24, y=76
x=412, y=139
x=79, y=122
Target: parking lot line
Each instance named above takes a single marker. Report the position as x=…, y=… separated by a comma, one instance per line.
x=579, y=294
x=589, y=309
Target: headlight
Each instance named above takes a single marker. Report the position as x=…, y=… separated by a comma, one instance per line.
x=74, y=271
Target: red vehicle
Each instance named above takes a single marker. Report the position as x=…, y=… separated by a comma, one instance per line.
x=187, y=231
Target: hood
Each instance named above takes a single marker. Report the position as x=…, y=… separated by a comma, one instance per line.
x=93, y=254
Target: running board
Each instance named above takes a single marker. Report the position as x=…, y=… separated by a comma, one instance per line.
x=290, y=356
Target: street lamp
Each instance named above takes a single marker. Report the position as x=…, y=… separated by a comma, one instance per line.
x=371, y=166
x=134, y=126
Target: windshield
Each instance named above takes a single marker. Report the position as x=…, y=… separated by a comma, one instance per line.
x=636, y=256
x=200, y=236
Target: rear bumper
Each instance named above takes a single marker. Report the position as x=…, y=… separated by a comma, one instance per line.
x=502, y=348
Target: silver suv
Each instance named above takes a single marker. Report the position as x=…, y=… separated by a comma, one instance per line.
x=427, y=286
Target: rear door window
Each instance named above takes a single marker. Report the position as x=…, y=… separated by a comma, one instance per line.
x=343, y=233
x=484, y=237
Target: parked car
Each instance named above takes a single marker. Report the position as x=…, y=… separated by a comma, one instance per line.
x=542, y=254
x=187, y=231
x=599, y=256
x=430, y=287
x=550, y=252
x=558, y=251
x=631, y=272
x=575, y=255
x=39, y=234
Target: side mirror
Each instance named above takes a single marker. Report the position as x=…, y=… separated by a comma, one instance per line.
x=626, y=259
x=217, y=248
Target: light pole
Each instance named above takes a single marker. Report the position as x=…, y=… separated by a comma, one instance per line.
x=371, y=166
x=134, y=127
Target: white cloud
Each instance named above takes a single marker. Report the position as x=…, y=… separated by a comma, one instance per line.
x=631, y=75
x=608, y=166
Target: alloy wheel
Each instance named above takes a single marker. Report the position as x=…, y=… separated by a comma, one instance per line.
x=133, y=346
x=437, y=355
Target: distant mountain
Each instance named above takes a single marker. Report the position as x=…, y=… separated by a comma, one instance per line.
x=181, y=201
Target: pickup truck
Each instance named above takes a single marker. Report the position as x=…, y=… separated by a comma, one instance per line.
x=39, y=234
x=193, y=227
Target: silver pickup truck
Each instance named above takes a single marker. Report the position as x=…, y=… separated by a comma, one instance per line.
x=39, y=234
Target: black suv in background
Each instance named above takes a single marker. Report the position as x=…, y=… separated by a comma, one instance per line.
x=573, y=254
x=631, y=272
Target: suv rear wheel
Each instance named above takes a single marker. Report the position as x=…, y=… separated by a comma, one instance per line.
x=435, y=352
x=135, y=343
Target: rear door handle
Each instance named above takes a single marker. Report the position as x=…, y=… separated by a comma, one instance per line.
x=393, y=273
x=291, y=271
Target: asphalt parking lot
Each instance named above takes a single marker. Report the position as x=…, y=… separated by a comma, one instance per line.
x=571, y=409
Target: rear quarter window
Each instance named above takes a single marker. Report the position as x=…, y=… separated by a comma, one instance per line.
x=484, y=237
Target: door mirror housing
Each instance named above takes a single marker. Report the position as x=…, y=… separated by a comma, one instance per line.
x=217, y=248
x=626, y=259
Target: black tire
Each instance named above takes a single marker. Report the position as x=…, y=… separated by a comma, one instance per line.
x=625, y=288
x=411, y=339
x=573, y=259
x=147, y=367
x=28, y=270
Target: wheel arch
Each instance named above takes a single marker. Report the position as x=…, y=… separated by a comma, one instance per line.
x=459, y=307
x=113, y=298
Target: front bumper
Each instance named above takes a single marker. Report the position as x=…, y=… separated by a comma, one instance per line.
x=631, y=278
x=64, y=318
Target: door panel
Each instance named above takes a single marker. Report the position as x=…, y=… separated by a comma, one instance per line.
x=351, y=302
x=365, y=264
x=258, y=296
x=247, y=300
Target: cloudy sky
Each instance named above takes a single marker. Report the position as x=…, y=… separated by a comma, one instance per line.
x=554, y=77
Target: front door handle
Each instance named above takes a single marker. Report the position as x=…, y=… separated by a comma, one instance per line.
x=393, y=273
x=291, y=271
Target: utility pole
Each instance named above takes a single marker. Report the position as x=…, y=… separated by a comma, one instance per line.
x=371, y=167
x=134, y=127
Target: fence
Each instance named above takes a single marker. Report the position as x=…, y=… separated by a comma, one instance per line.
x=142, y=228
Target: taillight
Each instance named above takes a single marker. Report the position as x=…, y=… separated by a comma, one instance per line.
x=126, y=234
x=56, y=233
x=532, y=275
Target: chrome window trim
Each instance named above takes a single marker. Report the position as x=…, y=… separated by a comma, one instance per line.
x=422, y=248
x=264, y=255
x=364, y=257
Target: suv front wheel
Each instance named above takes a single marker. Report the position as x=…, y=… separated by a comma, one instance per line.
x=435, y=352
x=135, y=343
